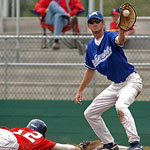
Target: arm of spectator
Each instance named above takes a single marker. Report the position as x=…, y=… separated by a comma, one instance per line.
x=75, y=6
x=41, y=8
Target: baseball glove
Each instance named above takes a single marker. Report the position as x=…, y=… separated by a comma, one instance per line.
x=90, y=145
x=127, y=21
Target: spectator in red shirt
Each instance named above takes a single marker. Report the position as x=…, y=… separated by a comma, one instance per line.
x=30, y=138
x=59, y=13
x=114, y=23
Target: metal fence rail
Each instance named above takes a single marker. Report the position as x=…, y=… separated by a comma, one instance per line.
x=29, y=72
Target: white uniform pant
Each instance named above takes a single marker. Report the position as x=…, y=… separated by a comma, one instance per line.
x=122, y=95
x=7, y=140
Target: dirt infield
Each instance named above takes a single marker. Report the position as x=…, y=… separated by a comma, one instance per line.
x=146, y=147
x=96, y=143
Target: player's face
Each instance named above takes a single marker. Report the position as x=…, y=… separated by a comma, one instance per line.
x=115, y=18
x=95, y=25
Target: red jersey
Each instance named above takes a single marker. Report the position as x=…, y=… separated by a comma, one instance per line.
x=29, y=139
x=114, y=27
x=75, y=7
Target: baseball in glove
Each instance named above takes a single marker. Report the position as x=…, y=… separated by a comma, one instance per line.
x=127, y=17
x=90, y=145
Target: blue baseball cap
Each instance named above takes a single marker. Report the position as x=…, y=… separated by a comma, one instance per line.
x=95, y=14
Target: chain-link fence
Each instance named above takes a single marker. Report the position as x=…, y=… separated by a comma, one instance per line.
x=29, y=72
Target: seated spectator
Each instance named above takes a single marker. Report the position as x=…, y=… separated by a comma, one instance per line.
x=114, y=23
x=30, y=138
x=59, y=13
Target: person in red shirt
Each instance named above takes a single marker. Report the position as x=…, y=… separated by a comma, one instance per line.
x=59, y=13
x=114, y=23
x=30, y=138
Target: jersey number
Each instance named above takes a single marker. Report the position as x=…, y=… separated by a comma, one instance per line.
x=30, y=136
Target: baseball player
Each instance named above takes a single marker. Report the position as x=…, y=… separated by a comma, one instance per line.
x=105, y=54
x=30, y=138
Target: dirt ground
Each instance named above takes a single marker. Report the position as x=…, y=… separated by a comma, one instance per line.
x=97, y=143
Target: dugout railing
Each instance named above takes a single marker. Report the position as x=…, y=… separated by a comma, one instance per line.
x=31, y=73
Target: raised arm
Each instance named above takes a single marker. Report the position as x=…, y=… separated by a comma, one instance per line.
x=120, y=39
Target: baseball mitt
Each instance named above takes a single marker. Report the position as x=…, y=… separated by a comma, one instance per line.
x=90, y=145
x=127, y=17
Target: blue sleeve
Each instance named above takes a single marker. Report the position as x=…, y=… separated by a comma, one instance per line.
x=113, y=36
x=88, y=60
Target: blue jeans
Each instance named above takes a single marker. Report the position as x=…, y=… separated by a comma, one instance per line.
x=55, y=16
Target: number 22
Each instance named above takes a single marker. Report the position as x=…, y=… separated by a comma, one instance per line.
x=30, y=136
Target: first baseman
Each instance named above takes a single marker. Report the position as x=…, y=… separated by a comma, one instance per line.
x=105, y=54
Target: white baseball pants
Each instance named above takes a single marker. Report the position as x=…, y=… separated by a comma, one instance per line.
x=122, y=95
x=7, y=140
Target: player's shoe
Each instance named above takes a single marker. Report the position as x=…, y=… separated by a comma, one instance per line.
x=110, y=146
x=135, y=146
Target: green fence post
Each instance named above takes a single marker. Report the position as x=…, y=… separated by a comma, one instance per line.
x=86, y=7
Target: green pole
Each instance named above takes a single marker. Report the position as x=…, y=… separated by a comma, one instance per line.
x=86, y=7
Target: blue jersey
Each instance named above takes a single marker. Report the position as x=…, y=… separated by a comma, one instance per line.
x=108, y=58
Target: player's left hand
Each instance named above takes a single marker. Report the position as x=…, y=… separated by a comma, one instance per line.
x=127, y=22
